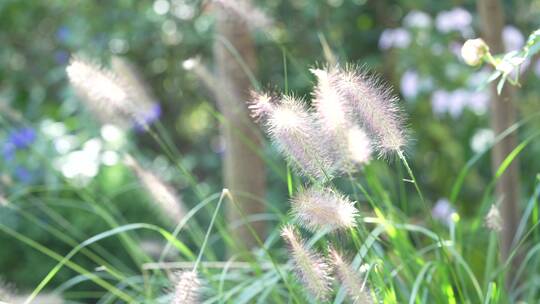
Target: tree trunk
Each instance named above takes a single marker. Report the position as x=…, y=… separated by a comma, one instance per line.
x=243, y=169
x=503, y=115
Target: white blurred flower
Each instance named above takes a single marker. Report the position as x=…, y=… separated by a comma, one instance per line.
x=482, y=139
x=64, y=144
x=110, y=158
x=52, y=128
x=112, y=134
x=417, y=19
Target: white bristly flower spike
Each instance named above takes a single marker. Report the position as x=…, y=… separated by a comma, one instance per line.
x=493, y=219
x=187, y=288
x=101, y=89
x=346, y=141
x=163, y=195
x=261, y=105
x=358, y=146
x=473, y=50
x=374, y=107
x=352, y=280
x=311, y=268
x=296, y=133
x=317, y=208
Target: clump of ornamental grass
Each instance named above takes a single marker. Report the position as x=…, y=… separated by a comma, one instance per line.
x=315, y=208
x=311, y=268
x=163, y=195
x=112, y=96
x=354, y=115
x=351, y=280
x=187, y=289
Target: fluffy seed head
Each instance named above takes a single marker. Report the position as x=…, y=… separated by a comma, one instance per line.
x=349, y=146
x=375, y=108
x=117, y=97
x=296, y=133
x=187, y=288
x=311, y=269
x=351, y=280
x=331, y=107
x=318, y=208
x=493, y=219
x=99, y=88
x=130, y=80
x=163, y=195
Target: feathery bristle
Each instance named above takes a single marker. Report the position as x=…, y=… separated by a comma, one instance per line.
x=129, y=78
x=493, y=219
x=375, y=108
x=166, y=198
x=359, y=146
x=187, y=288
x=351, y=280
x=311, y=269
x=318, y=208
x=100, y=89
x=347, y=142
x=261, y=105
x=252, y=16
x=296, y=133
x=332, y=109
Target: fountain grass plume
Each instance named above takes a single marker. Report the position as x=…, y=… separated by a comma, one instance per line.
x=351, y=280
x=163, y=195
x=375, y=108
x=316, y=208
x=310, y=267
x=187, y=290
x=296, y=133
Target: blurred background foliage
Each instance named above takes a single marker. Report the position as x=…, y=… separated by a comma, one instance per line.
x=413, y=44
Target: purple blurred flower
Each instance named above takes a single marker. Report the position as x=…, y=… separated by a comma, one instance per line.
x=63, y=33
x=61, y=57
x=455, y=102
x=8, y=151
x=22, y=138
x=394, y=38
x=410, y=84
x=537, y=68
x=148, y=118
x=23, y=174
x=443, y=211
x=457, y=19
x=417, y=19
x=439, y=102
x=513, y=39
x=458, y=101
